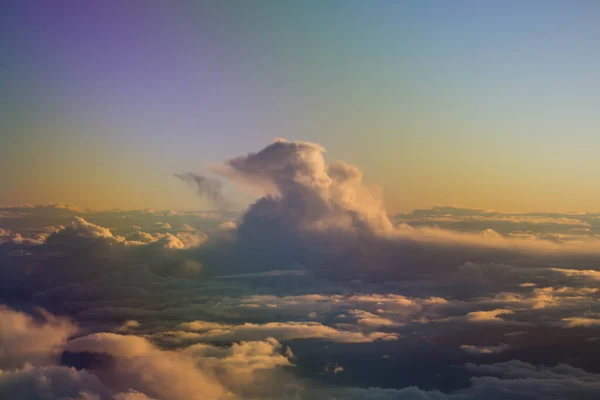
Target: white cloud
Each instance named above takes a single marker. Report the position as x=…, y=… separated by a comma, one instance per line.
x=573, y=322
x=51, y=382
x=86, y=229
x=24, y=339
x=132, y=395
x=472, y=349
x=311, y=194
x=576, y=273
x=163, y=374
x=488, y=316
x=201, y=371
x=128, y=326
x=370, y=319
x=277, y=330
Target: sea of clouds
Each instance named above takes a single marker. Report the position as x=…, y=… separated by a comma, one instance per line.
x=313, y=292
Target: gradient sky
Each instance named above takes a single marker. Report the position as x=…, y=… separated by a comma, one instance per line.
x=479, y=104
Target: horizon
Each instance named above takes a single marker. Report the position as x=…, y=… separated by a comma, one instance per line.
x=299, y=200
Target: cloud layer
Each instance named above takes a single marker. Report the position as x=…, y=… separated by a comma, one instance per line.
x=313, y=292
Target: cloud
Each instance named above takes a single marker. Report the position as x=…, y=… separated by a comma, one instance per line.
x=80, y=228
x=492, y=240
x=581, y=274
x=164, y=225
x=278, y=330
x=370, y=319
x=52, y=382
x=143, y=367
x=202, y=326
x=311, y=194
x=509, y=380
x=472, y=349
x=515, y=369
x=89, y=230
x=488, y=316
x=131, y=395
x=320, y=215
x=24, y=339
x=553, y=297
x=367, y=311
x=139, y=370
x=334, y=368
x=209, y=188
x=200, y=371
x=128, y=325
x=440, y=214
x=573, y=322
x=243, y=363
x=315, y=263
x=16, y=238
x=181, y=240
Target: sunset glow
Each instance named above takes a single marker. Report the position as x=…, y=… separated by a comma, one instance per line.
x=299, y=200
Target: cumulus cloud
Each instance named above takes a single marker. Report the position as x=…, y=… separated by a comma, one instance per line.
x=472, y=349
x=311, y=195
x=80, y=228
x=187, y=227
x=243, y=364
x=164, y=225
x=370, y=319
x=6, y=236
x=181, y=240
x=139, y=370
x=128, y=325
x=25, y=339
x=202, y=326
x=367, y=311
x=143, y=372
x=520, y=369
x=488, y=316
x=320, y=215
x=279, y=330
x=143, y=367
x=581, y=274
x=509, y=380
x=52, y=382
x=573, y=322
x=196, y=372
x=86, y=229
x=131, y=395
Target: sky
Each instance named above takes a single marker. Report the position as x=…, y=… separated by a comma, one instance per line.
x=439, y=103
x=299, y=200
